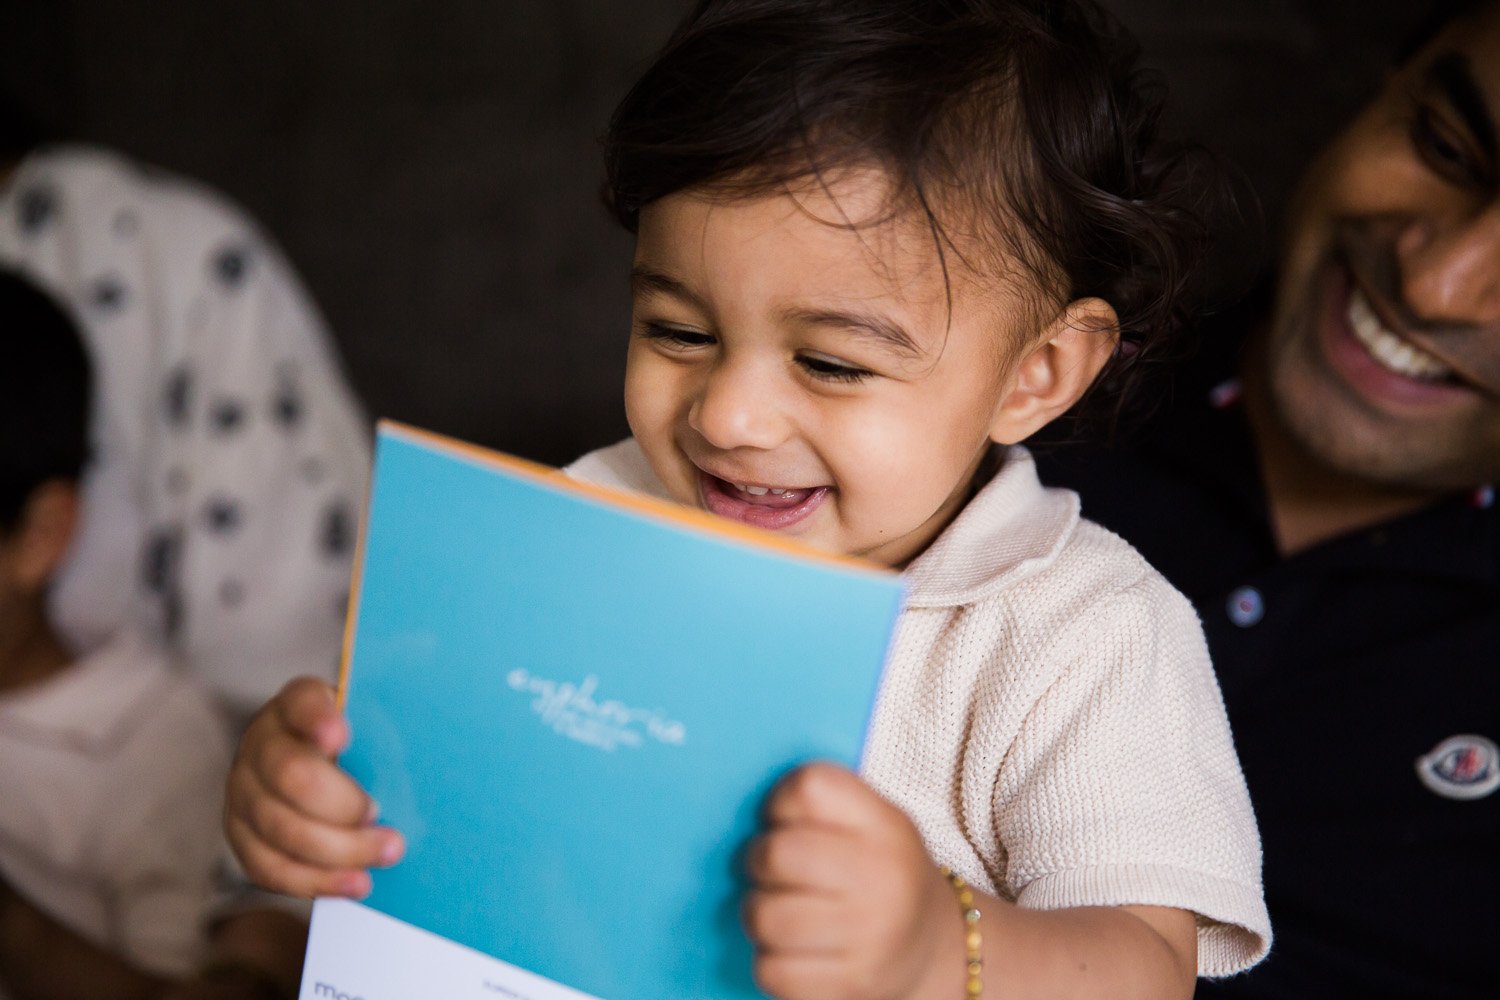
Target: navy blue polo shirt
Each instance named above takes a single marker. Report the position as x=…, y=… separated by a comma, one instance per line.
x=1362, y=681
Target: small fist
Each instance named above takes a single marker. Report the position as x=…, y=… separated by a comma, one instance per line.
x=845, y=901
x=297, y=822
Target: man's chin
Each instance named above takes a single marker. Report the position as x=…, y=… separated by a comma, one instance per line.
x=1352, y=446
x=1346, y=435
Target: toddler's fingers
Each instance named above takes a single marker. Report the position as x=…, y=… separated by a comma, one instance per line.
x=280, y=873
x=792, y=976
x=796, y=923
x=805, y=857
x=826, y=794
x=291, y=770
x=310, y=842
x=308, y=707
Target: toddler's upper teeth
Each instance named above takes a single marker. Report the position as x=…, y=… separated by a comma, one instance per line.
x=1388, y=348
x=760, y=491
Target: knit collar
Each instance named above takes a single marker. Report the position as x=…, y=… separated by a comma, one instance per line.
x=1012, y=528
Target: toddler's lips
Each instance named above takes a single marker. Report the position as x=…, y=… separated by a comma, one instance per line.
x=758, y=506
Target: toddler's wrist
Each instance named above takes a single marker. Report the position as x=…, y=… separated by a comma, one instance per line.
x=952, y=969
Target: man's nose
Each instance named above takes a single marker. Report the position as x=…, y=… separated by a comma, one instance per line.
x=1450, y=272
x=738, y=406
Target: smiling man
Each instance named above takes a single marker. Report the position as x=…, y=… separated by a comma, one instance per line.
x=1321, y=487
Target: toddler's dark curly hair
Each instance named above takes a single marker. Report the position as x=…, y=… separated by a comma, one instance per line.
x=1027, y=122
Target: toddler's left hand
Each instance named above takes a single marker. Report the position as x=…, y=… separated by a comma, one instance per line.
x=845, y=901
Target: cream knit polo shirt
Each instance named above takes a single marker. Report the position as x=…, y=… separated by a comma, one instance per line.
x=1050, y=720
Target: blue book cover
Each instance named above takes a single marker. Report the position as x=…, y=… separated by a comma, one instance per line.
x=572, y=703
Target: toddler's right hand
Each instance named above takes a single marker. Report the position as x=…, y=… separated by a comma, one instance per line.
x=297, y=822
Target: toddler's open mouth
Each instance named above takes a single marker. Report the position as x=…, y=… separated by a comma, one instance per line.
x=762, y=506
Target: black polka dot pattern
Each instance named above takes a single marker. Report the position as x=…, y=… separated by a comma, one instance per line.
x=287, y=408
x=232, y=470
x=227, y=416
x=38, y=207
x=162, y=554
x=230, y=266
x=338, y=530
x=107, y=295
x=176, y=398
x=222, y=515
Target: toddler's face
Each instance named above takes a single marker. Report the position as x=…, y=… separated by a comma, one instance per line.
x=794, y=364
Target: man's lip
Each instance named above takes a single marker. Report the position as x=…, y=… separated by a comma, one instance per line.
x=1393, y=316
x=1354, y=364
x=1387, y=314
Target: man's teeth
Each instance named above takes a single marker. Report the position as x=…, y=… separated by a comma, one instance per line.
x=1388, y=348
x=759, y=491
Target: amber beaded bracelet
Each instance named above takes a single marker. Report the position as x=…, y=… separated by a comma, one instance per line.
x=974, y=970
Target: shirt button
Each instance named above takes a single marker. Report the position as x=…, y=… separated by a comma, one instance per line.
x=1246, y=607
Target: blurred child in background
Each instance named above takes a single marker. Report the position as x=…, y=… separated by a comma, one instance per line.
x=111, y=764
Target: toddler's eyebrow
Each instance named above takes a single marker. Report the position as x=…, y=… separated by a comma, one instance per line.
x=644, y=280
x=647, y=280
x=875, y=327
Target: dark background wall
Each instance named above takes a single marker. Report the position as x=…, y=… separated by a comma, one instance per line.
x=432, y=168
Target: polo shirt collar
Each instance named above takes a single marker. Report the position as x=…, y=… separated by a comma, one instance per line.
x=1456, y=537
x=1014, y=527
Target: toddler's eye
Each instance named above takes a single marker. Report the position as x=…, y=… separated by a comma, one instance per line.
x=675, y=338
x=828, y=370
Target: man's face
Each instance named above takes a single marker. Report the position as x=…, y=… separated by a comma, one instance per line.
x=1384, y=348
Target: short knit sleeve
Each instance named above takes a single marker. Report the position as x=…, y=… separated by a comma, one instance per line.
x=1122, y=786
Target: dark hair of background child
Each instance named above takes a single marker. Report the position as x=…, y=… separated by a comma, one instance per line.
x=1034, y=113
x=45, y=395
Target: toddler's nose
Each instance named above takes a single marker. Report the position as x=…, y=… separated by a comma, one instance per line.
x=738, y=407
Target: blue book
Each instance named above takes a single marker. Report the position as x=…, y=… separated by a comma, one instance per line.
x=572, y=702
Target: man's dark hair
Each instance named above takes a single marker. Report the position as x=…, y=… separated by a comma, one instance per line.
x=45, y=394
x=1439, y=14
x=1031, y=117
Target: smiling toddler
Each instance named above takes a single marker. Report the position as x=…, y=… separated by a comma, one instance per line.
x=878, y=245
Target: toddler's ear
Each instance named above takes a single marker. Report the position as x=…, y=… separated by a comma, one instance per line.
x=44, y=532
x=1058, y=370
